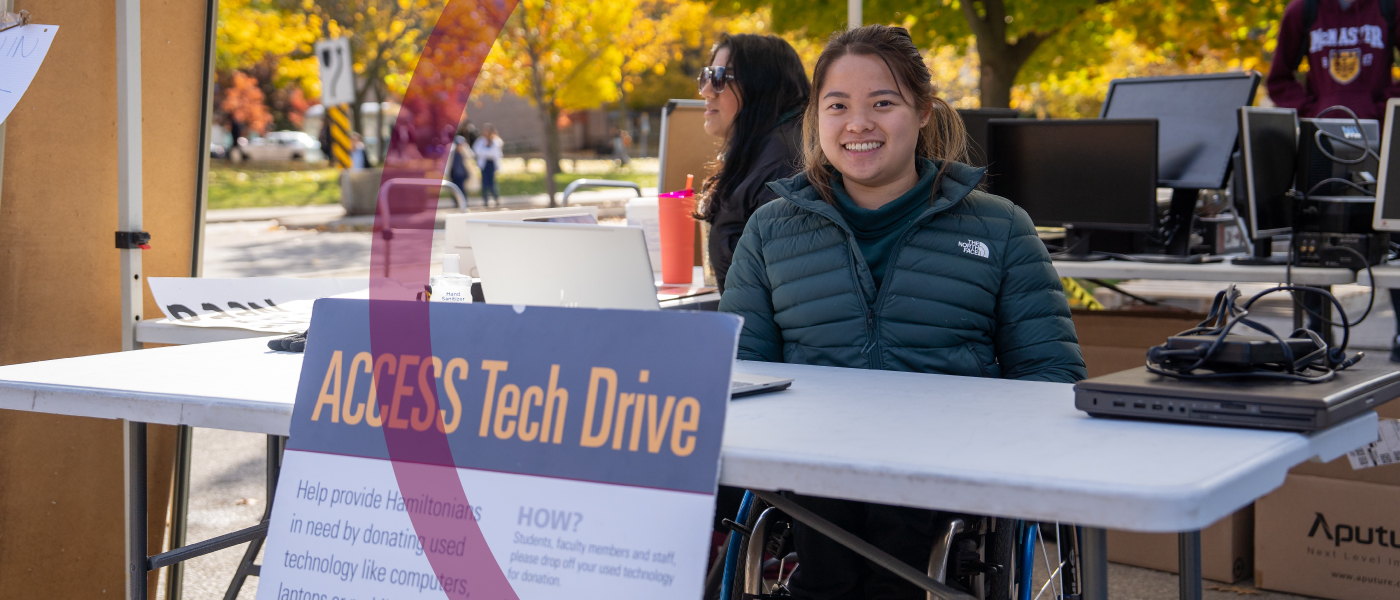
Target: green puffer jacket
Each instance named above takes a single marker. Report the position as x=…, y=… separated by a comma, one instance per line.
x=969, y=289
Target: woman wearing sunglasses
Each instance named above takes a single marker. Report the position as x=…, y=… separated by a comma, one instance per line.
x=883, y=254
x=754, y=89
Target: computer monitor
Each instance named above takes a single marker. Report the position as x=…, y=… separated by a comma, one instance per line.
x=975, y=121
x=1269, y=139
x=1387, y=216
x=1087, y=174
x=1198, y=122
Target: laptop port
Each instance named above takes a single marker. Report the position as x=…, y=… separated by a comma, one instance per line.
x=1234, y=406
x=1139, y=405
x=1118, y=403
x=1156, y=407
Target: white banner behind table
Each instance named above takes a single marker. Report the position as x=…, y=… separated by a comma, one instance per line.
x=268, y=304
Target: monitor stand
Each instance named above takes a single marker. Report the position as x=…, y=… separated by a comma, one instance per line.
x=1079, y=247
x=1263, y=255
x=1181, y=215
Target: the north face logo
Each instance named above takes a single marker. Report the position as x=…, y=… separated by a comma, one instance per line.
x=975, y=248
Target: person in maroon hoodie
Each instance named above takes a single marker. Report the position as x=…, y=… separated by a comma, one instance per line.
x=1347, y=44
x=1348, y=49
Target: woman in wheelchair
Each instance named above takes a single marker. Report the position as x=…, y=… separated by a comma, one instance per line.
x=883, y=254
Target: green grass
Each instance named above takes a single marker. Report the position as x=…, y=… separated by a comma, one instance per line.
x=512, y=184
x=257, y=185
x=277, y=184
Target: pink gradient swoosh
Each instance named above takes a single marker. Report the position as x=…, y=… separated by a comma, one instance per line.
x=422, y=135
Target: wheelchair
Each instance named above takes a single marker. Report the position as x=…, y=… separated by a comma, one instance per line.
x=987, y=558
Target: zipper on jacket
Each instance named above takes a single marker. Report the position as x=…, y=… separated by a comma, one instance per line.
x=869, y=332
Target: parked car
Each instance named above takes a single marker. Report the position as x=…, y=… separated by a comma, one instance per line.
x=278, y=145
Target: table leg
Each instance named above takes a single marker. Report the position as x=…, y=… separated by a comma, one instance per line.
x=1326, y=312
x=248, y=565
x=1094, y=553
x=1189, y=564
x=134, y=451
x=180, y=508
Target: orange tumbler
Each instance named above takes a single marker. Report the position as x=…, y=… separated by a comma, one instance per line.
x=677, y=236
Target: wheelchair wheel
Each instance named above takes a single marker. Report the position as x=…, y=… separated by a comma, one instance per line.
x=999, y=549
x=766, y=548
x=1048, y=567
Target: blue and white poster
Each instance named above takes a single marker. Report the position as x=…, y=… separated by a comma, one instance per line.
x=468, y=450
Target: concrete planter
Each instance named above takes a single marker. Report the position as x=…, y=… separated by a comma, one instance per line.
x=359, y=190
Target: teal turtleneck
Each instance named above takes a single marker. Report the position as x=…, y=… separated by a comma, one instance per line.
x=876, y=231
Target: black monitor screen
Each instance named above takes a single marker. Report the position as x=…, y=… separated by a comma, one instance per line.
x=1270, y=140
x=975, y=120
x=1088, y=173
x=1198, y=122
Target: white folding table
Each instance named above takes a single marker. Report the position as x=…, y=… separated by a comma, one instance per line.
x=984, y=446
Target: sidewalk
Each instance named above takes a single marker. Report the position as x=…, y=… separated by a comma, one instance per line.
x=331, y=217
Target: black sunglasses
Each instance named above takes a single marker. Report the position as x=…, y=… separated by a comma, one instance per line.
x=716, y=76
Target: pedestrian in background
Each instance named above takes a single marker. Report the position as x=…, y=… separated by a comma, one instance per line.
x=457, y=170
x=489, y=154
x=358, y=160
x=621, y=142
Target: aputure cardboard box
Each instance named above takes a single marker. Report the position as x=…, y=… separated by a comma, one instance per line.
x=1227, y=548
x=1330, y=538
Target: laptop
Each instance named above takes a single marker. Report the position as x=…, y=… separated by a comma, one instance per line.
x=458, y=242
x=1261, y=403
x=563, y=264
x=576, y=265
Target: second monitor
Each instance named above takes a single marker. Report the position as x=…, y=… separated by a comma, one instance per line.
x=1086, y=175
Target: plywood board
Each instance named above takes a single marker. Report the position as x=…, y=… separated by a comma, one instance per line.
x=61, y=503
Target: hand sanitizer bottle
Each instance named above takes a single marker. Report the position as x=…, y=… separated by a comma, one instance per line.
x=452, y=285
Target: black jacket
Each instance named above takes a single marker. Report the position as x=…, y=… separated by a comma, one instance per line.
x=781, y=158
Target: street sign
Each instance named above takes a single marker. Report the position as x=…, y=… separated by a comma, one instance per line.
x=337, y=71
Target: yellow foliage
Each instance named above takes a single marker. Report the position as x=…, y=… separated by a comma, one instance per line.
x=250, y=33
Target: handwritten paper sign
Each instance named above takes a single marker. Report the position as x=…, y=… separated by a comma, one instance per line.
x=22, y=50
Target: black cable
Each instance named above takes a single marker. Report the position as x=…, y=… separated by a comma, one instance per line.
x=1369, y=306
x=1226, y=313
x=1346, y=182
x=1364, y=146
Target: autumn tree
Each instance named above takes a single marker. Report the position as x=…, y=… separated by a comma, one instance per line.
x=272, y=45
x=560, y=55
x=386, y=39
x=244, y=103
x=1020, y=39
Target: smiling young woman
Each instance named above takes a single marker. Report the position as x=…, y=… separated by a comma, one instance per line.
x=883, y=254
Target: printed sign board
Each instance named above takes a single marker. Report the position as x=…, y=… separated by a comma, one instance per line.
x=529, y=453
x=337, y=71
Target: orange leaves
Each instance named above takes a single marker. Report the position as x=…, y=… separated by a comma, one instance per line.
x=244, y=102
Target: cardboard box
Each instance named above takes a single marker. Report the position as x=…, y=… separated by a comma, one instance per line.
x=1114, y=341
x=1227, y=548
x=1330, y=538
